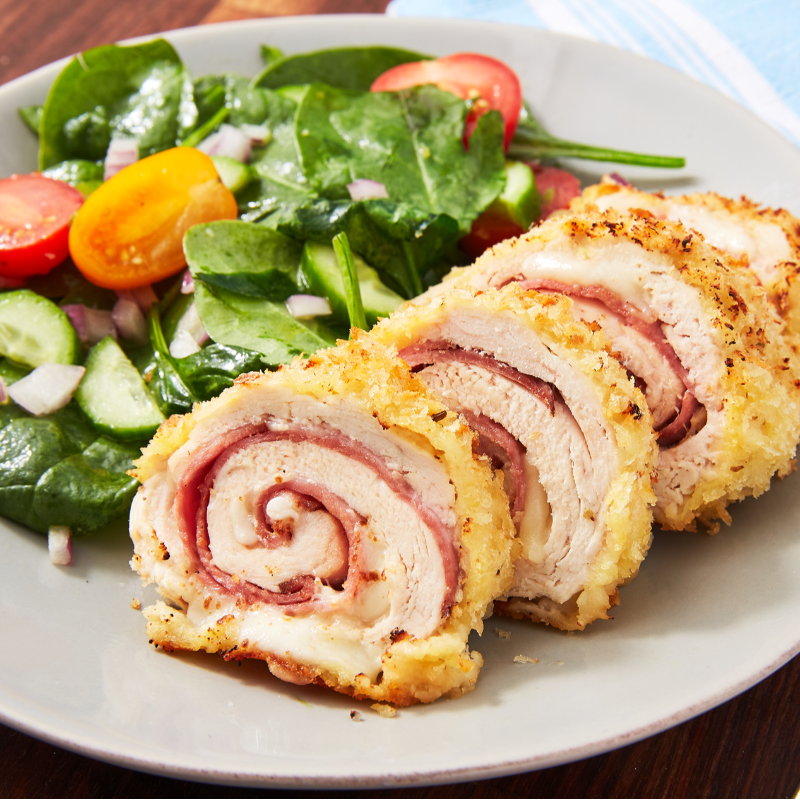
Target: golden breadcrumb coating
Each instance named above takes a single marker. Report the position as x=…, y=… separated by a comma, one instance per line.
x=778, y=273
x=753, y=374
x=625, y=509
x=368, y=378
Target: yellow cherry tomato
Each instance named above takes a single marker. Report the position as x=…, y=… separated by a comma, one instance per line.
x=129, y=232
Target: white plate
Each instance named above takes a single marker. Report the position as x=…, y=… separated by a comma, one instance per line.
x=707, y=617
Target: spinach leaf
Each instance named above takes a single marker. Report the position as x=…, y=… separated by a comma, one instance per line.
x=214, y=368
x=90, y=489
x=142, y=91
x=57, y=470
x=269, y=54
x=256, y=324
x=161, y=372
x=532, y=142
x=402, y=243
x=31, y=116
x=245, y=258
x=280, y=185
x=67, y=285
x=343, y=67
x=75, y=171
x=410, y=141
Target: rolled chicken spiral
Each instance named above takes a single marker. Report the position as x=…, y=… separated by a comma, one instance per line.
x=330, y=519
x=696, y=332
x=560, y=417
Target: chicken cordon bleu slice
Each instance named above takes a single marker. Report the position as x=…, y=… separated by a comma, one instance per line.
x=555, y=411
x=764, y=239
x=331, y=519
x=696, y=332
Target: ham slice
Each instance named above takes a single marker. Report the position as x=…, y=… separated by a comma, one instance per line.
x=324, y=519
x=691, y=327
x=764, y=240
x=557, y=414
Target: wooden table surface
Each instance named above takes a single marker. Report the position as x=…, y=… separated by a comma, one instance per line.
x=748, y=747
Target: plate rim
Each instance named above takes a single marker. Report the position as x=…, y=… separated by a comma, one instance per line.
x=404, y=778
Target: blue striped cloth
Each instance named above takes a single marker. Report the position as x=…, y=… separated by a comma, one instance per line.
x=746, y=49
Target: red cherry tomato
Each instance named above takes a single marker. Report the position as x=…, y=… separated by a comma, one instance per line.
x=487, y=231
x=556, y=188
x=489, y=83
x=35, y=214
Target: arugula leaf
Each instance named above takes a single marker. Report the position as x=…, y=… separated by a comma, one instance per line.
x=142, y=91
x=342, y=67
x=245, y=258
x=256, y=324
x=532, y=142
x=410, y=141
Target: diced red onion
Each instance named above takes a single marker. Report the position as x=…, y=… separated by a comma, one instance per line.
x=190, y=333
x=92, y=324
x=46, y=389
x=59, y=545
x=306, y=306
x=364, y=189
x=187, y=285
x=122, y=152
x=143, y=296
x=129, y=321
x=617, y=178
x=183, y=345
x=258, y=134
x=227, y=141
x=3, y=393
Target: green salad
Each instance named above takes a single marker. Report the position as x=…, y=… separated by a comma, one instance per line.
x=348, y=200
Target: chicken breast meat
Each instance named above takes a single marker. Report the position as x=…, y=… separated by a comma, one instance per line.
x=330, y=519
x=696, y=332
x=560, y=417
x=765, y=240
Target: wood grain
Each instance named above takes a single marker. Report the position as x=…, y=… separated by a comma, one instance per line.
x=749, y=747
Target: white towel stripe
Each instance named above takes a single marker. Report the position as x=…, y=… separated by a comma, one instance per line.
x=752, y=86
x=558, y=17
x=611, y=31
x=683, y=55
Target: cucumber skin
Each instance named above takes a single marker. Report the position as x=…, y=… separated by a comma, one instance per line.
x=107, y=363
x=36, y=310
x=321, y=273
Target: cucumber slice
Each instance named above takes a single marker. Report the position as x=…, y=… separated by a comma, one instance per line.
x=519, y=201
x=233, y=174
x=35, y=331
x=320, y=271
x=114, y=396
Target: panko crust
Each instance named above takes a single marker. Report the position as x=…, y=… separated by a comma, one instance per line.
x=783, y=291
x=758, y=373
x=627, y=507
x=412, y=670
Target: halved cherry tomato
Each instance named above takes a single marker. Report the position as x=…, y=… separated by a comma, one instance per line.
x=129, y=232
x=487, y=231
x=556, y=188
x=489, y=83
x=35, y=213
